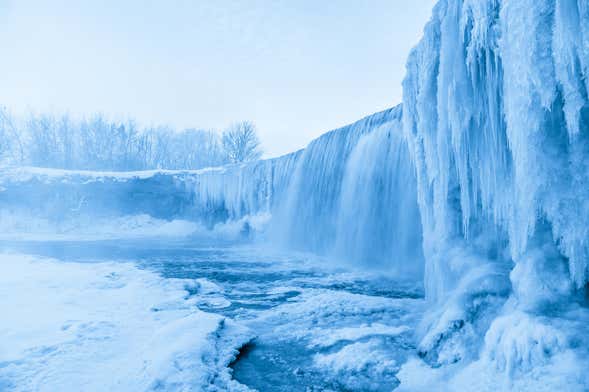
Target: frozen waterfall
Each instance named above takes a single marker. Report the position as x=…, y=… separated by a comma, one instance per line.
x=496, y=114
x=478, y=184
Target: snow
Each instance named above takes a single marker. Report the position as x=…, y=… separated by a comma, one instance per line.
x=23, y=174
x=355, y=333
x=360, y=366
x=22, y=227
x=105, y=326
x=521, y=352
x=476, y=186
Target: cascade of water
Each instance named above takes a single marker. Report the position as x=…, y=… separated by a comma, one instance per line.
x=378, y=223
x=350, y=194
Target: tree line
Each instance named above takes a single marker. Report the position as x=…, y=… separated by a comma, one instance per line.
x=97, y=143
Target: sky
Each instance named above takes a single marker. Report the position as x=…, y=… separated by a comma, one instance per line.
x=296, y=68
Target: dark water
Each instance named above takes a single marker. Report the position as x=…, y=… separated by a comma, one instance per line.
x=296, y=307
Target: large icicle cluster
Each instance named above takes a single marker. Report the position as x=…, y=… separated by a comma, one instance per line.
x=496, y=113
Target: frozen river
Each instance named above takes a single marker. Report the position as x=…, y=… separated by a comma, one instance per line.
x=309, y=326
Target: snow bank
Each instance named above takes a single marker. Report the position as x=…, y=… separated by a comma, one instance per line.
x=107, y=326
x=360, y=366
x=23, y=226
x=521, y=352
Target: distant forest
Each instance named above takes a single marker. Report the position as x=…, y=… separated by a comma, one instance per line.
x=97, y=143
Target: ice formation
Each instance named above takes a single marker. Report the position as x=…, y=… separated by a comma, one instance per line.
x=478, y=183
x=496, y=114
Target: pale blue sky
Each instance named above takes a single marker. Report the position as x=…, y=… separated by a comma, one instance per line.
x=295, y=68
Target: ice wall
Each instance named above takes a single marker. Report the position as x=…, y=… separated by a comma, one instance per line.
x=496, y=114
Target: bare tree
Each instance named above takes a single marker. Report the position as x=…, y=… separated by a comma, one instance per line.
x=6, y=128
x=13, y=145
x=241, y=142
x=101, y=144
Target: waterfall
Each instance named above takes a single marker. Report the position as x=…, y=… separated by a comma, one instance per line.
x=353, y=197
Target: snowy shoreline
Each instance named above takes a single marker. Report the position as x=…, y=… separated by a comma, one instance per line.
x=108, y=326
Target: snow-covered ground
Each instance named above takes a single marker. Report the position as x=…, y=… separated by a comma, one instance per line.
x=28, y=228
x=106, y=327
